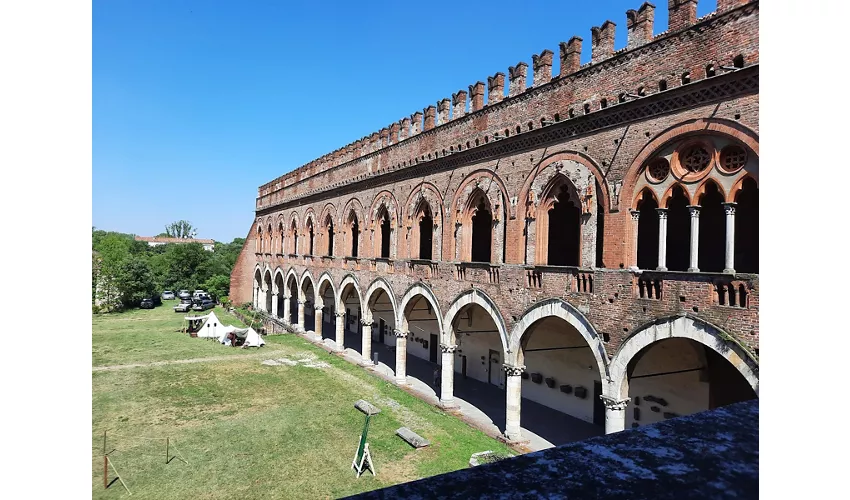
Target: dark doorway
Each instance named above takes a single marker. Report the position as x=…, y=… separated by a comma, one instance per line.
x=493, y=367
x=355, y=237
x=712, y=230
x=647, y=245
x=726, y=385
x=747, y=228
x=678, y=231
x=598, y=404
x=426, y=236
x=382, y=328
x=463, y=366
x=564, y=231
x=294, y=240
x=293, y=307
x=385, y=236
x=482, y=227
x=330, y=239
x=433, y=343
x=310, y=232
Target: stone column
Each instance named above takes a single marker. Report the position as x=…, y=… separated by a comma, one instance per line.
x=340, y=330
x=662, y=239
x=301, y=303
x=730, y=237
x=694, y=267
x=256, y=296
x=367, y=340
x=287, y=313
x=400, y=356
x=635, y=224
x=514, y=400
x=317, y=320
x=274, y=304
x=615, y=414
x=448, y=376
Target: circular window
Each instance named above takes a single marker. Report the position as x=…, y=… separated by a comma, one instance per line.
x=695, y=159
x=733, y=158
x=658, y=169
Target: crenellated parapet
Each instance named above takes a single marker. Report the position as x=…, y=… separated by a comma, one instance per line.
x=610, y=73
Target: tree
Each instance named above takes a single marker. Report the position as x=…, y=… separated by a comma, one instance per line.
x=218, y=286
x=135, y=281
x=180, y=229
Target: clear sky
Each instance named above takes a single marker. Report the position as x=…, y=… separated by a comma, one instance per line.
x=195, y=104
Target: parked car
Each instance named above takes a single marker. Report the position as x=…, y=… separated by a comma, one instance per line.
x=203, y=305
x=183, y=307
x=184, y=295
x=146, y=304
x=168, y=295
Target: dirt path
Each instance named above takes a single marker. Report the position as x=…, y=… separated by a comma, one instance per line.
x=262, y=354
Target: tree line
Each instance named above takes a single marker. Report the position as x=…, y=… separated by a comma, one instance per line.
x=125, y=271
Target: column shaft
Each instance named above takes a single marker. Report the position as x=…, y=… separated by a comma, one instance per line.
x=317, y=320
x=615, y=414
x=340, y=331
x=662, y=239
x=301, y=315
x=694, y=267
x=730, y=237
x=448, y=376
x=367, y=342
x=401, y=357
x=513, y=403
x=286, y=310
x=274, y=304
x=635, y=224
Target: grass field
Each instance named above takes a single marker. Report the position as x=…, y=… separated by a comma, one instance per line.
x=250, y=430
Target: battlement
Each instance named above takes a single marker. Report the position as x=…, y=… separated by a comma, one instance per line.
x=373, y=153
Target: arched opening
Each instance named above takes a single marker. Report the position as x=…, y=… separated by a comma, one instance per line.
x=712, y=230
x=678, y=376
x=482, y=233
x=355, y=233
x=311, y=236
x=292, y=288
x=479, y=377
x=383, y=325
x=350, y=302
x=561, y=386
x=280, y=230
x=747, y=227
x=294, y=231
x=385, y=233
x=647, y=245
x=678, y=231
x=327, y=328
x=426, y=234
x=564, y=243
x=258, y=289
x=278, y=286
x=270, y=238
x=260, y=240
x=309, y=297
x=329, y=231
x=267, y=279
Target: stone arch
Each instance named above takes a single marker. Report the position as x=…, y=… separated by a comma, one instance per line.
x=349, y=279
x=688, y=327
x=701, y=189
x=474, y=296
x=278, y=272
x=418, y=288
x=384, y=201
x=304, y=277
x=353, y=210
x=280, y=231
x=486, y=185
x=575, y=165
x=293, y=227
x=739, y=186
x=382, y=284
x=560, y=309
x=325, y=280
x=665, y=198
x=291, y=274
x=310, y=222
x=639, y=196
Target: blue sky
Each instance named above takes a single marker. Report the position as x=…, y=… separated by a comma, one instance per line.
x=195, y=104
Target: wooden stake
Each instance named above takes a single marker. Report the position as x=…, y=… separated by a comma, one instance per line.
x=105, y=470
x=166, y=450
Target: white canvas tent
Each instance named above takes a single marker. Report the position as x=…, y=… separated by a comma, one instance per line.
x=252, y=338
x=211, y=328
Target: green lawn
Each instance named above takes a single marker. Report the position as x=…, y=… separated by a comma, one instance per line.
x=249, y=430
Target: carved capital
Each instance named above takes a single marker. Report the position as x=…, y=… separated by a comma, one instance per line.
x=635, y=215
x=694, y=210
x=729, y=207
x=513, y=371
x=448, y=348
x=662, y=213
x=365, y=322
x=614, y=404
x=339, y=314
x=301, y=302
x=317, y=307
x=400, y=333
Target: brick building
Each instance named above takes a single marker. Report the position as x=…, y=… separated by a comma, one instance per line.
x=583, y=241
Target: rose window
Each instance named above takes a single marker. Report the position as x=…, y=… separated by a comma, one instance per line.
x=733, y=158
x=696, y=159
x=658, y=169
